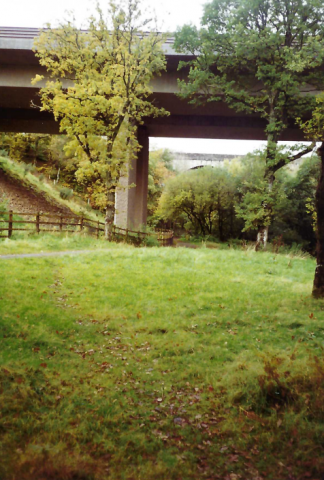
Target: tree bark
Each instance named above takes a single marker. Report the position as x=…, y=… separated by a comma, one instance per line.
x=110, y=206
x=110, y=214
x=318, y=287
x=269, y=176
x=263, y=230
x=262, y=238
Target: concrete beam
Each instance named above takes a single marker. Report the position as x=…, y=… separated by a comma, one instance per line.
x=182, y=126
x=27, y=120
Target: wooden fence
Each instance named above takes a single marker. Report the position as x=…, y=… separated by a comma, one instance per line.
x=11, y=222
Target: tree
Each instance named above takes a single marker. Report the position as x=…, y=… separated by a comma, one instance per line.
x=26, y=147
x=204, y=197
x=314, y=128
x=253, y=193
x=294, y=219
x=160, y=170
x=260, y=57
x=291, y=194
x=100, y=84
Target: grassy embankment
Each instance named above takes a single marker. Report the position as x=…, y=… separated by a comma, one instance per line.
x=161, y=364
x=50, y=191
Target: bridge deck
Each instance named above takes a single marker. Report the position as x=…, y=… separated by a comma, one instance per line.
x=18, y=65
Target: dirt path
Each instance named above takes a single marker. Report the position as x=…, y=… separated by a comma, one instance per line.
x=24, y=200
x=47, y=254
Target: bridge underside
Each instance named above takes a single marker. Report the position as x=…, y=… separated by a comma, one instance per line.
x=184, y=121
x=214, y=121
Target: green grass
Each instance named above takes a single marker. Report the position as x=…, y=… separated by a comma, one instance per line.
x=160, y=363
x=50, y=242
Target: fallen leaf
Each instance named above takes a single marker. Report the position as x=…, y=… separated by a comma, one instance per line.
x=178, y=421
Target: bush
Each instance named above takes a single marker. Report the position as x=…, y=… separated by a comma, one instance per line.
x=151, y=241
x=29, y=168
x=3, y=205
x=66, y=193
x=3, y=153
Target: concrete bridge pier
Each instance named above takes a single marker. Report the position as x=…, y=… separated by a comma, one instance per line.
x=131, y=203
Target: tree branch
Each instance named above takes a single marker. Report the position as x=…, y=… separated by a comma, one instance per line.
x=284, y=162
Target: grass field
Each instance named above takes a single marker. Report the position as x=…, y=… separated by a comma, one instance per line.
x=159, y=363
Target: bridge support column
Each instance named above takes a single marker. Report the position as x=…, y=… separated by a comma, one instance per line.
x=131, y=203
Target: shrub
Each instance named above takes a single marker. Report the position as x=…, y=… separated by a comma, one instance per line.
x=66, y=193
x=151, y=241
x=3, y=206
x=29, y=168
x=3, y=153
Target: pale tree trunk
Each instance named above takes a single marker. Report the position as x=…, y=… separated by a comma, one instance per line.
x=262, y=238
x=272, y=140
x=263, y=230
x=318, y=287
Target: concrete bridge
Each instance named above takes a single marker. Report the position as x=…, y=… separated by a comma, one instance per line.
x=18, y=65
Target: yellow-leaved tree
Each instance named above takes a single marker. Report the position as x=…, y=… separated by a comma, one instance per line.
x=99, y=87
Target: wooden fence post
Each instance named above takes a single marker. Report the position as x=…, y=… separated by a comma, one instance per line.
x=37, y=222
x=10, y=224
x=81, y=224
x=61, y=223
x=98, y=230
x=126, y=236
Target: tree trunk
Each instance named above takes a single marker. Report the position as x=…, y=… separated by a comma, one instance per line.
x=110, y=213
x=263, y=230
x=110, y=205
x=318, y=287
x=262, y=238
x=232, y=214
x=272, y=140
x=220, y=226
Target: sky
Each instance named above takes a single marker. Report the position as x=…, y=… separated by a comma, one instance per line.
x=35, y=13
x=170, y=15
